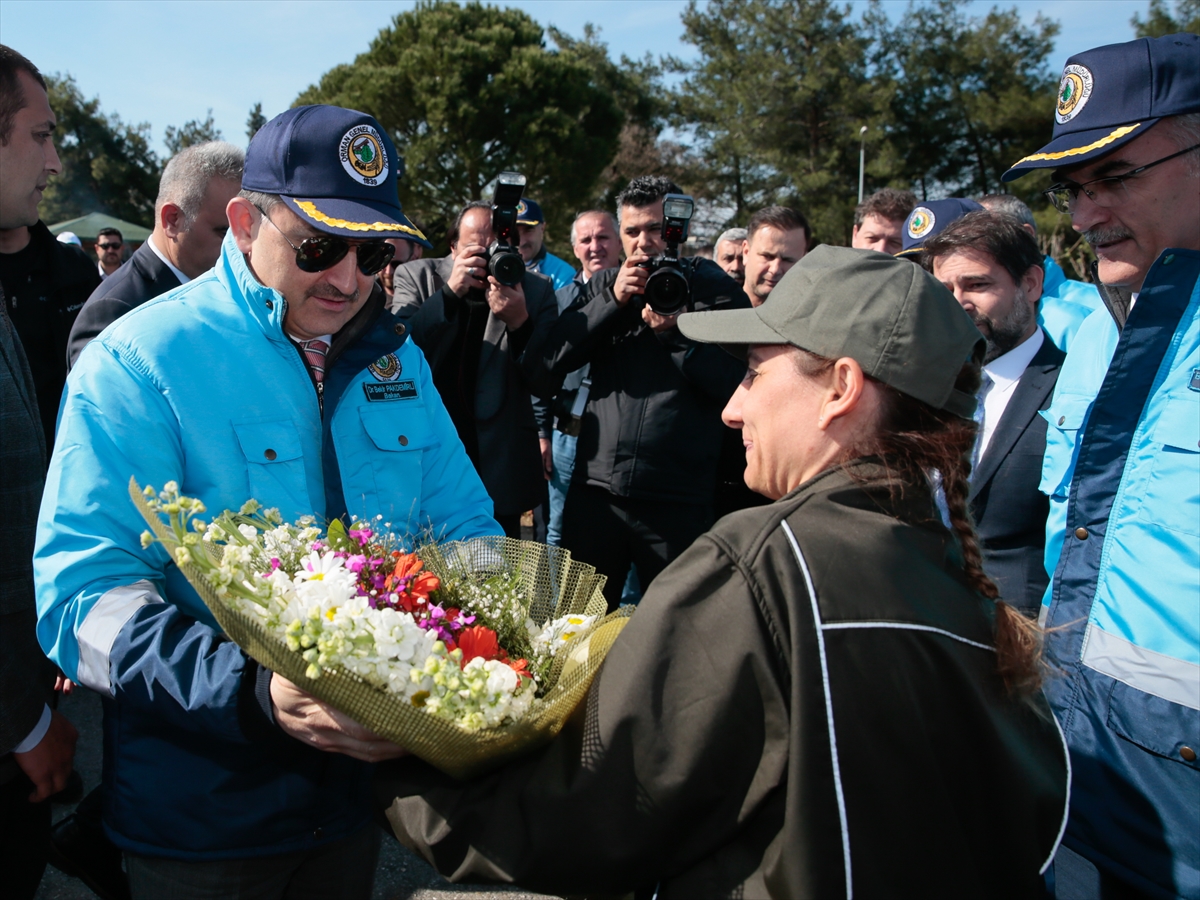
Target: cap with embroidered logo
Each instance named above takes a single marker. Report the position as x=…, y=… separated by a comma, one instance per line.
x=336, y=168
x=930, y=218
x=529, y=213
x=1110, y=95
x=893, y=318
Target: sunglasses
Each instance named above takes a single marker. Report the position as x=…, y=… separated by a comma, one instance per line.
x=110, y=246
x=316, y=254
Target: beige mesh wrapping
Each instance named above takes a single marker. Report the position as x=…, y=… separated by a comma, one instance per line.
x=556, y=585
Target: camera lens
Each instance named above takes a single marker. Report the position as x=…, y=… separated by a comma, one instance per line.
x=667, y=291
x=507, y=267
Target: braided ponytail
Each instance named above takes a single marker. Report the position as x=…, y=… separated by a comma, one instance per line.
x=914, y=440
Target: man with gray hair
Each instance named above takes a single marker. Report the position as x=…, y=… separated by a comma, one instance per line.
x=1065, y=302
x=189, y=225
x=728, y=253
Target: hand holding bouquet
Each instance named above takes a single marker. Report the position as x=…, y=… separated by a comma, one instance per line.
x=464, y=653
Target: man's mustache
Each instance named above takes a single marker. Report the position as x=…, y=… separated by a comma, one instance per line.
x=328, y=292
x=1109, y=235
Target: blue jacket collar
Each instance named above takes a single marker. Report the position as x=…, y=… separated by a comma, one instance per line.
x=262, y=304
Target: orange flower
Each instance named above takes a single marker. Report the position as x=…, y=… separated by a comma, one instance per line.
x=521, y=667
x=479, y=641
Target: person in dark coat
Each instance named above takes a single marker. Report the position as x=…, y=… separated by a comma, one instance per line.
x=822, y=697
x=45, y=282
x=993, y=267
x=484, y=343
x=189, y=225
x=37, y=744
x=650, y=435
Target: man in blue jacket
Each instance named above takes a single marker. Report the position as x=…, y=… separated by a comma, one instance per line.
x=278, y=375
x=1122, y=470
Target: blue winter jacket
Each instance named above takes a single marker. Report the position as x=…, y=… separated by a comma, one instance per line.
x=1065, y=304
x=1122, y=470
x=559, y=271
x=201, y=386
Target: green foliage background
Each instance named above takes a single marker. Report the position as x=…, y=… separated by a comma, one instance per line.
x=769, y=111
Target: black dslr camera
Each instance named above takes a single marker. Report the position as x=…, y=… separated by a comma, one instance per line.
x=504, y=260
x=669, y=287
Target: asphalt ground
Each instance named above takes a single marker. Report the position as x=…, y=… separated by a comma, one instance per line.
x=401, y=875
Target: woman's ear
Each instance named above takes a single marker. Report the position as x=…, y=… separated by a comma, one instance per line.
x=843, y=394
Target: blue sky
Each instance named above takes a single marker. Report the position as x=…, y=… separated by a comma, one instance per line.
x=167, y=62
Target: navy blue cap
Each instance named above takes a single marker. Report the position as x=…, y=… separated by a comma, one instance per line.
x=529, y=213
x=335, y=168
x=929, y=218
x=1110, y=95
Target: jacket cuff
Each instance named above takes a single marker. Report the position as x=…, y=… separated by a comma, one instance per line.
x=255, y=712
x=39, y=731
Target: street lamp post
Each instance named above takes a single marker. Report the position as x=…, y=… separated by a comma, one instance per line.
x=862, y=159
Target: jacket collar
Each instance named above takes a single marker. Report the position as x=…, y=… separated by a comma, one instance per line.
x=265, y=306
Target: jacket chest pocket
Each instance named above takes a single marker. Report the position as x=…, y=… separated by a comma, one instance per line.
x=1172, y=497
x=275, y=464
x=1065, y=418
x=395, y=453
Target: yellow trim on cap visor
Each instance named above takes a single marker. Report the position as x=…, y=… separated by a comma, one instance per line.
x=1079, y=151
x=310, y=209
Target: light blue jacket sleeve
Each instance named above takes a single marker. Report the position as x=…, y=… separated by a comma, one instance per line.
x=101, y=611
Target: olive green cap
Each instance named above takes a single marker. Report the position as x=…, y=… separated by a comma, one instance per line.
x=890, y=316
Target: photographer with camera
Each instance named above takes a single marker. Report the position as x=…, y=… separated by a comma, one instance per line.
x=650, y=433
x=481, y=321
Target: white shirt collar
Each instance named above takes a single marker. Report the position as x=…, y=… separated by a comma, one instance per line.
x=1006, y=370
x=183, y=279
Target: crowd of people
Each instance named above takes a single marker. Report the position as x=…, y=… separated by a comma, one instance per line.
x=913, y=525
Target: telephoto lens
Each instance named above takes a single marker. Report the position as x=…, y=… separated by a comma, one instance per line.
x=667, y=290
x=505, y=265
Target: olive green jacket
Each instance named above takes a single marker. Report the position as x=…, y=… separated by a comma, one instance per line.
x=806, y=704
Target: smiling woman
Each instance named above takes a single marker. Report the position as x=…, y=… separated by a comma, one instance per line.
x=730, y=744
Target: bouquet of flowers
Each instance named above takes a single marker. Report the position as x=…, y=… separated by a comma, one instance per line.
x=465, y=653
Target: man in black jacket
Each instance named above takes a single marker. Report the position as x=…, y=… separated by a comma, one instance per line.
x=993, y=267
x=36, y=744
x=45, y=282
x=645, y=467
x=484, y=342
x=189, y=225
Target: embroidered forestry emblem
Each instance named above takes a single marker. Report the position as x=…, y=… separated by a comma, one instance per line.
x=1073, y=93
x=362, y=154
x=522, y=208
x=920, y=223
x=386, y=368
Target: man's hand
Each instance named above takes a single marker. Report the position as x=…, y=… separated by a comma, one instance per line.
x=631, y=281
x=49, y=763
x=469, y=271
x=507, y=303
x=657, y=322
x=307, y=719
x=547, y=457
x=63, y=685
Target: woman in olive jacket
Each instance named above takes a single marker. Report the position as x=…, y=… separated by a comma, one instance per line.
x=822, y=697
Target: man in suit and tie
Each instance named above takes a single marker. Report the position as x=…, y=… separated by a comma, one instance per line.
x=484, y=341
x=994, y=269
x=189, y=225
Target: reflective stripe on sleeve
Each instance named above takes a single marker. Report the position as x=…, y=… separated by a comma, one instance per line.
x=101, y=626
x=1154, y=673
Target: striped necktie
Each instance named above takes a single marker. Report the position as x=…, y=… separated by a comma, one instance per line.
x=314, y=353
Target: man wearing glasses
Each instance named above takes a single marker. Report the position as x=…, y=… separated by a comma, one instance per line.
x=278, y=375
x=1122, y=470
x=109, y=246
